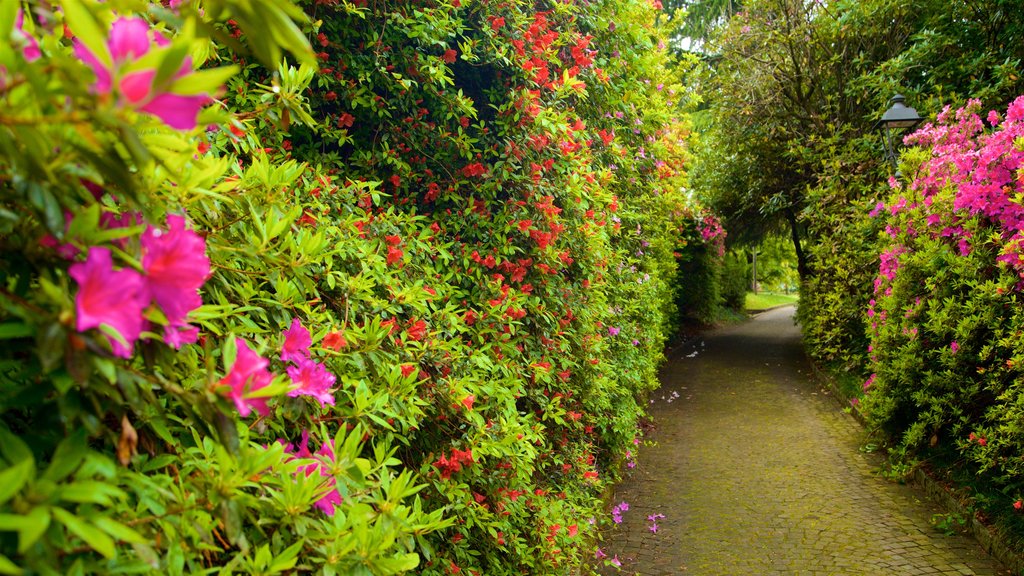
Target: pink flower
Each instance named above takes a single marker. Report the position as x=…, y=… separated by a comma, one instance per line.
x=598, y=554
x=130, y=39
x=612, y=331
x=176, y=266
x=111, y=297
x=954, y=347
x=615, y=561
x=313, y=379
x=322, y=463
x=296, y=343
x=248, y=374
x=30, y=47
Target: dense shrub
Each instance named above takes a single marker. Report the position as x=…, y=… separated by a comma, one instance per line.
x=700, y=269
x=388, y=313
x=735, y=281
x=944, y=322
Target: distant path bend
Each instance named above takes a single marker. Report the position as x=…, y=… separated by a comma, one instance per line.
x=757, y=472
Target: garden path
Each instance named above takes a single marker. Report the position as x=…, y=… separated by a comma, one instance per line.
x=758, y=472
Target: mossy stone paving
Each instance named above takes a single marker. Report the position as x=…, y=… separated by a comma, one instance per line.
x=758, y=472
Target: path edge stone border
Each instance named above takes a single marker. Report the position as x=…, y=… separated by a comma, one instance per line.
x=992, y=540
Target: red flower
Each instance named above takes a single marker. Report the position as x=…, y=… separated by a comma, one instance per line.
x=449, y=56
x=407, y=369
x=417, y=330
x=335, y=341
x=394, y=255
x=346, y=120
x=497, y=23
x=468, y=401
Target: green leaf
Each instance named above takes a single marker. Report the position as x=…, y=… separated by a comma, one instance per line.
x=87, y=29
x=119, y=531
x=11, y=330
x=396, y=565
x=8, y=567
x=14, y=448
x=286, y=560
x=67, y=457
x=93, y=536
x=90, y=492
x=203, y=81
x=173, y=58
x=36, y=523
x=12, y=479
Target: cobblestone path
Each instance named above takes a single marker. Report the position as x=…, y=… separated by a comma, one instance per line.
x=758, y=472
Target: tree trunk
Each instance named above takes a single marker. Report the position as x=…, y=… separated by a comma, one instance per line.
x=794, y=232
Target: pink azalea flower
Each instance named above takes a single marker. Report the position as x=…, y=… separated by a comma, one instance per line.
x=30, y=47
x=248, y=374
x=612, y=331
x=313, y=379
x=107, y=296
x=615, y=561
x=130, y=39
x=176, y=266
x=598, y=554
x=323, y=460
x=296, y=343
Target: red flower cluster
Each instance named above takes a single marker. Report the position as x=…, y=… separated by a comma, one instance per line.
x=447, y=466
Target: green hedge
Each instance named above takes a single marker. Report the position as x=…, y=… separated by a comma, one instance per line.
x=391, y=311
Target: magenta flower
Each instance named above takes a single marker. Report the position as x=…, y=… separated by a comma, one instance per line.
x=29, y=45
x=115, y=298
x=248, y=374
x=312, y=379
x=296, y=343
x=615, y=561
x=130, y=39
x=322, y=462
x=954, y=347
x=176, y=266
x=612, y=331
x=598, y=554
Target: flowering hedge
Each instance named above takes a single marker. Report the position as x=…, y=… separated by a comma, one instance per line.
x=382, y=307
x=944, y=321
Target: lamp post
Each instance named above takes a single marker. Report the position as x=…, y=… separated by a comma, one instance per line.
x=897, y=120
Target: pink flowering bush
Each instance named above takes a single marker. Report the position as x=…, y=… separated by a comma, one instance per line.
x=944, y=324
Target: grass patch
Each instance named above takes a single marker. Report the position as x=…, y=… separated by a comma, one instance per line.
x=765, y=300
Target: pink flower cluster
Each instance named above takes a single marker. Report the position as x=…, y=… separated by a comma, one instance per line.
x=130, y=40
x=311, y=378
x=175, y=266
x=980, y=169
x=248, y=375
x=322, y=462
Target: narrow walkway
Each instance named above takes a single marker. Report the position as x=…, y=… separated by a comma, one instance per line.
x=758, y=472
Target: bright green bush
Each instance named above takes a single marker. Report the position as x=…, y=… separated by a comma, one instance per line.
x=390, y=313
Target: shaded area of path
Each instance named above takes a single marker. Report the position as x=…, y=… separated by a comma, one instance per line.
x=758, y=472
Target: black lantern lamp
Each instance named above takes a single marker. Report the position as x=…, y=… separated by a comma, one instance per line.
x=897, y=121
